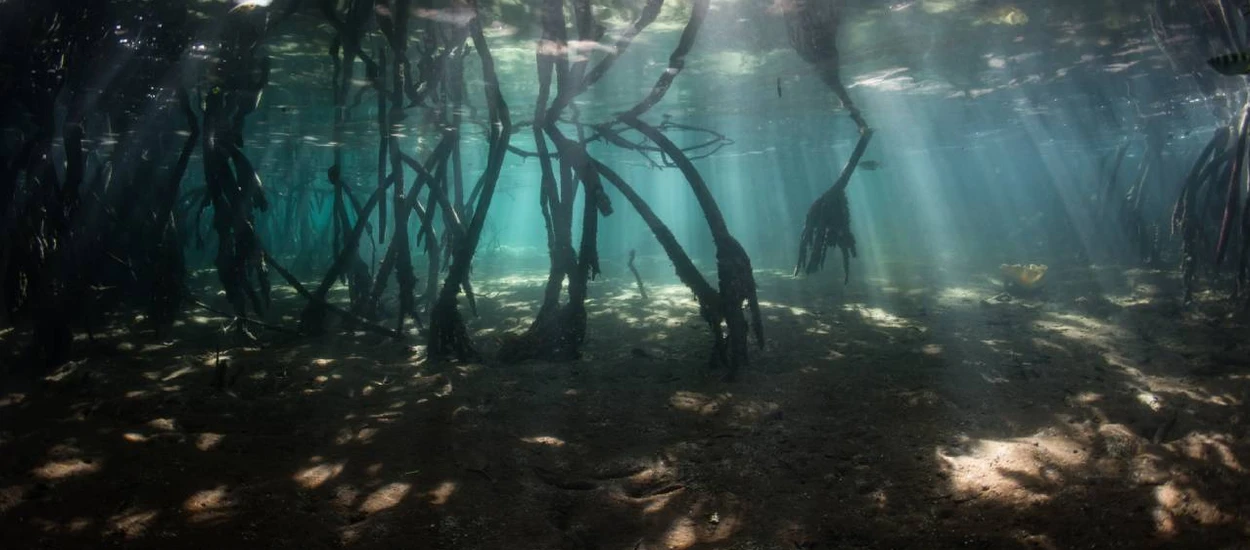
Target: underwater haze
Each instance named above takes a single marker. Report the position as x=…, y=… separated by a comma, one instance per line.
x=624, y=274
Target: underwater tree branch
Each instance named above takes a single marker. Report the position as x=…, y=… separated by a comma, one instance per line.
x=676, y=61
x=312, y=318
x=709, y=301
x=733, y=266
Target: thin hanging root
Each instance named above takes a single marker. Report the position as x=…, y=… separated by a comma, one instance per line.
x=828, y=221
x=812, y=28
x=245, y=320
x=410, y=203
x=290, y=279
x=637, y=278
x=312, y=315
x=1208, y=201
x=1233, y=199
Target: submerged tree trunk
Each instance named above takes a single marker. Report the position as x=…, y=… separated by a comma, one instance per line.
x=447, y=334
x=238, y=73
x=1210, y=200
x=236, y=81
x=559, y=329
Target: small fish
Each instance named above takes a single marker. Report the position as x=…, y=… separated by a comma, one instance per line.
x=778, y=86
x=870, y=164
x=1231, y=64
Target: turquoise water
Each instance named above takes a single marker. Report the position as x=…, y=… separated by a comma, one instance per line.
x=1055, y=133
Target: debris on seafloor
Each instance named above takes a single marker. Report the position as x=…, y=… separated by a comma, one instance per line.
x=1000, y=298
x=1023, y=277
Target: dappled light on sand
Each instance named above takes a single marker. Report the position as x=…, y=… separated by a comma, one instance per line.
x=208, y=441
x=985, y=414
x=209, y=505
x=734, y=411
x=390, y=495
x=60, y=469
x=185, y=370
x=163, y=424
x=879, y=317
x=544, y=440
x=11, y=496
x=1216, y=449
x=441, y=494
x=1022, y=470
x=703, y=523
x=959, y=296
x=131, y=524
x=698, y=403
x=315, y=476
x=1178, y=505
